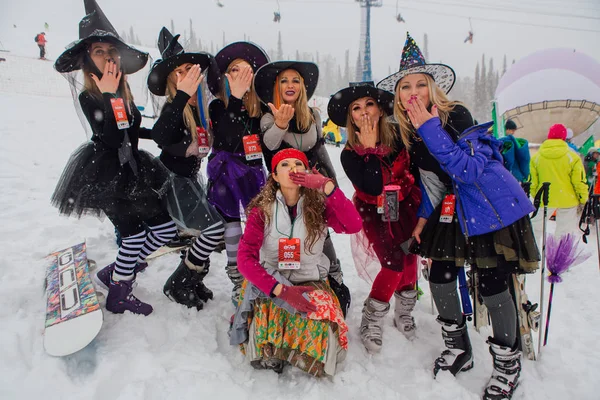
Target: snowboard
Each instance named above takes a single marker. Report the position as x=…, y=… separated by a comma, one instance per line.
x=170, y=247
x=73, y=314
x=527, y=315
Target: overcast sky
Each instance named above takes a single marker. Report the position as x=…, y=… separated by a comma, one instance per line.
x=330, y=26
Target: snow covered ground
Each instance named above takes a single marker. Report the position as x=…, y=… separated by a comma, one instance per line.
x=185, y=354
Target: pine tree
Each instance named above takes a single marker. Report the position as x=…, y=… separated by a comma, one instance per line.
x=491, y=83
x=224, y=42
x=131, y=36
x=279, y=48
x=347, y=68
x=359, y=68
x=124, y=36
x=425, y=47
x=483, y=89
x=504, y=65
x=477, y=93
x=192, y=46
x=172, y=27
x=298, y=55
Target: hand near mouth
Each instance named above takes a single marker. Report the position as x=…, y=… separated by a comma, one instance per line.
x=283, y=115
x=241, y=83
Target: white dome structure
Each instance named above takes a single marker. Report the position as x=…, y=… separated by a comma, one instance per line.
x=549, y=87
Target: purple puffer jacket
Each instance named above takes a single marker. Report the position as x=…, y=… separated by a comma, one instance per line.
x=488, y=197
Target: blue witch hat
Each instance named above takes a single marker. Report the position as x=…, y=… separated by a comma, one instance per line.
x=413, y=62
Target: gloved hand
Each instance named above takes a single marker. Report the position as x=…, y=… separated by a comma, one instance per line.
x=293, y=296
x=312, y=180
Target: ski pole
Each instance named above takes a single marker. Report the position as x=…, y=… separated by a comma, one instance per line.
x=545, y=191
x=548, y=315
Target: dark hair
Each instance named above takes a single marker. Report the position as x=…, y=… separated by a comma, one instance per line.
x=510, y=124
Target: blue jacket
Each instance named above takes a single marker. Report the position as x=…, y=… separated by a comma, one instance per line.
x=516, y=156
x=488, y=197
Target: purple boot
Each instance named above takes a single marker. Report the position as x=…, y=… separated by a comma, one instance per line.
x=120, y=299
x=103, y=276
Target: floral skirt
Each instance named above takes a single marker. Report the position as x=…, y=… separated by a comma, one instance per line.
x=445, y=241
x=304, y=342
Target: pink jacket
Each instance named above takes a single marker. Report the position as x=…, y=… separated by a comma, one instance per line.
x=340, y=214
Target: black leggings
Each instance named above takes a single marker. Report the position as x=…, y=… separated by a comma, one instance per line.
x=491, y=280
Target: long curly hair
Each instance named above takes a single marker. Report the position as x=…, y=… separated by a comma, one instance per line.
x=436, y=96
x=313, y=209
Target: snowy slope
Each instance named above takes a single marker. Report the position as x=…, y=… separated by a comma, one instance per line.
x=181, y=353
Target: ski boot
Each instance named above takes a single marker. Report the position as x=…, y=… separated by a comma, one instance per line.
x=371, y=331
x=403, y=319
x=505, y=376
x=458, y=356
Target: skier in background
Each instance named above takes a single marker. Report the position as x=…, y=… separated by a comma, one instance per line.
x=40, y=39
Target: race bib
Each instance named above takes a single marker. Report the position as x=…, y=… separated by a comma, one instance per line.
x=120, y=114
x=289, y=253
x=448, y=205
x=203, y=146
x=252, y=147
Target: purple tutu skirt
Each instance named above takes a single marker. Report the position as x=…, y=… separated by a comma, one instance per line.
x=232, y=183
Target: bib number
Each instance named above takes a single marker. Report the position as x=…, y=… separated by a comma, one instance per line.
x=252, y=147
x=387, y=203
x=203, y=146
x=289, y=253
x=448, y=206
x=120, y=115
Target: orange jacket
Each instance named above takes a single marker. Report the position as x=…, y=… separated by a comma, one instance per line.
x=41, y=39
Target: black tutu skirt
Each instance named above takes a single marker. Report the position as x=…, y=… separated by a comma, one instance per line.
x=187, y=204
x=94, y=182
x=445, y=241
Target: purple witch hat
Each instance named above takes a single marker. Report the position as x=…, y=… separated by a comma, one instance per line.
x=413, y=62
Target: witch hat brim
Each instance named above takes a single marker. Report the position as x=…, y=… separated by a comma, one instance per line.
x=442, y=74
x=157, y=79
x=95, y=27
x=265, y=77
x=251, y=52
x=337, y=109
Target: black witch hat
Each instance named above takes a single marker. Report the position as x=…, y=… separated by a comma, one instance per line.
x=337, y=109
x=95, y=27
x=265, y=77
x=173, y=55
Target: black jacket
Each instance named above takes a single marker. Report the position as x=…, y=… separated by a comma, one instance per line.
x=174, y=138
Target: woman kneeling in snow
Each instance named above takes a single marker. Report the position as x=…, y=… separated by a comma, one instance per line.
x=287, y=310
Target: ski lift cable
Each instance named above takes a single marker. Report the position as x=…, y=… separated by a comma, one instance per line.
x=466, y=5
x=507, y=9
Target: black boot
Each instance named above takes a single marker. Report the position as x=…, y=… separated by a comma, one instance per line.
x=507, y=369
x=200, y=288
x=185, y=287
x=458, y=356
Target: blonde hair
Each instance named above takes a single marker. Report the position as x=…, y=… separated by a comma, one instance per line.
x=302, y=112
x=89, y=85
x=436, y=97
x=313, y=209
x=387, y=131
x=250, y=99
x=188, y=114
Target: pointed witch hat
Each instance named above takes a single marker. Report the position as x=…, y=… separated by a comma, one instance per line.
x=95, y=27
x=413, y=62
x=173, y=55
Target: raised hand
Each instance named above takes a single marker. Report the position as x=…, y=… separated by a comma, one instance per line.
x=110, y=78
x=293, y=295
x=190, y=82
x=283, y=115
x=417, y=112
x=368, y=131
x=241, y=83
x=312, y=180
